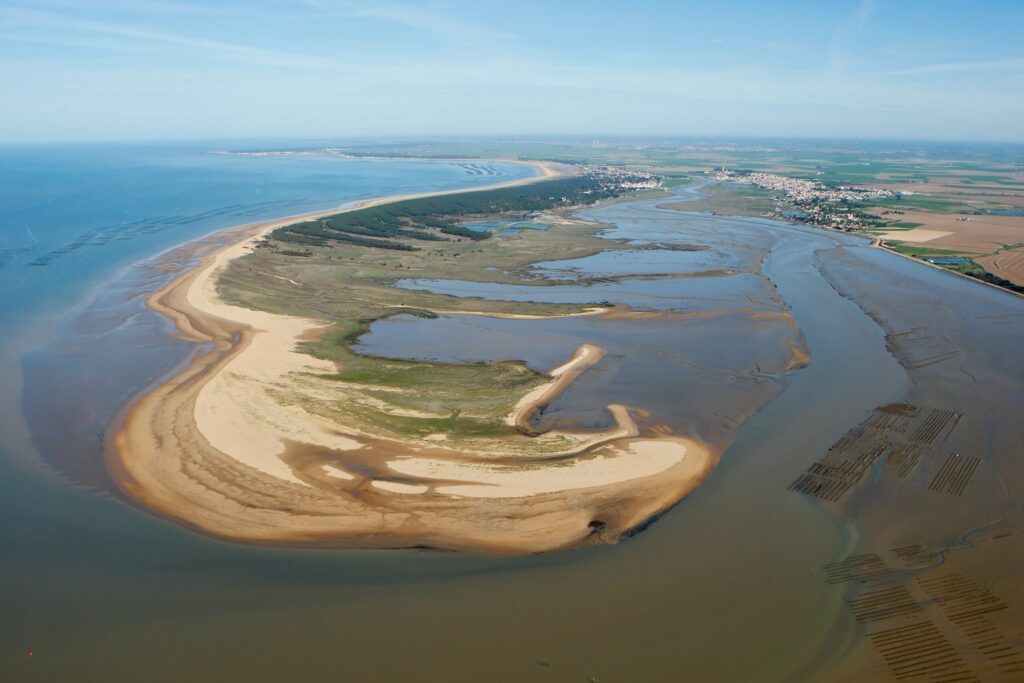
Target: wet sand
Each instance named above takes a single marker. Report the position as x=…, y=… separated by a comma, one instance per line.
x=216, y=449
x=743, y=582
x=584, y=357
x=940, y=530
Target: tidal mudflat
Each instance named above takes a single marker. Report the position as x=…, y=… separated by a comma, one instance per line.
x=877, y=370
x=257, y=441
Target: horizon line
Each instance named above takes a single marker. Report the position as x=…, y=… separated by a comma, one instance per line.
x=520, y=137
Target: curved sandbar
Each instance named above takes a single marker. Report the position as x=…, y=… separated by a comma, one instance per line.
x=584, y=357
x=228, y=448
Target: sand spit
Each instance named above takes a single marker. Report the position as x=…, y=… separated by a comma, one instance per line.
x=226, y=448
x=583, y=358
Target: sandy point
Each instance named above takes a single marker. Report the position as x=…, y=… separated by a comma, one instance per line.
x=215, y=447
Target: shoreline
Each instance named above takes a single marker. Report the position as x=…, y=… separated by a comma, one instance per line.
x=203, y=448
x=877, y=242
x=583, y=357
x=881, y=244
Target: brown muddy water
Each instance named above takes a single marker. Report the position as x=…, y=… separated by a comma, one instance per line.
x=730, y=585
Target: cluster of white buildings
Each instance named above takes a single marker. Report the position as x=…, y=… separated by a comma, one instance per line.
x=800, y=191
x=624, y=179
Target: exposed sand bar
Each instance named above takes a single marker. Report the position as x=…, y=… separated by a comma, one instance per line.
x=584, y=357
x=226, y=447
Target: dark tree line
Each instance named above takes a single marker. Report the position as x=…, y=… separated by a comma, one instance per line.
x=418, y=219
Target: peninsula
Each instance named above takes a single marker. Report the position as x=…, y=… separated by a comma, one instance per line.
x=277, y=432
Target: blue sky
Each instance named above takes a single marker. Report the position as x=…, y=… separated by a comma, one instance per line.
x=158, y=69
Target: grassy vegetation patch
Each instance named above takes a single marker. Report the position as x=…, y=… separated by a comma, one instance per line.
x=475, y=389
x=922, y=252
x=734, y=200
x=677, y=182
x=455, y=423
x=921, y=202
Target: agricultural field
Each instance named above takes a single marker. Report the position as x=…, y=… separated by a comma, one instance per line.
x=964, y=199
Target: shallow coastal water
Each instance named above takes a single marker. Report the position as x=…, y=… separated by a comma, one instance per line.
x=685, y=294
x=725, y=587
x=699, y=374
x=76, y=218
x=637, y=262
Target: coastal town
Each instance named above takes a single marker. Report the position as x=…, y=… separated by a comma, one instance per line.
x=618, y=180
x=802, y=191
x=827, y=204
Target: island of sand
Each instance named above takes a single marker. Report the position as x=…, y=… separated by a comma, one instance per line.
x=277, y=432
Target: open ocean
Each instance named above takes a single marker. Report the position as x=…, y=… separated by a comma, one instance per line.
x=71, y=216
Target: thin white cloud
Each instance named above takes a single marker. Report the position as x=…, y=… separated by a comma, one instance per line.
x=1016, y=64
x=362, y=77
x=446, y=26
x=61, y=29
x=135, y=6
x=846, y=34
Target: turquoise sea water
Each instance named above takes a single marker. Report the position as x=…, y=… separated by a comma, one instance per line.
x=73, y=219
x=71, y=216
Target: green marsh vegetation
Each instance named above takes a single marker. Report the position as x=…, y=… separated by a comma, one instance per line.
x=969, y=267
x=734, y=200
x=922, y=252
x=903, y=225
x=403, y=398
x=349, y=285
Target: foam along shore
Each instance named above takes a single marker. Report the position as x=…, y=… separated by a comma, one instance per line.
x=226, y=447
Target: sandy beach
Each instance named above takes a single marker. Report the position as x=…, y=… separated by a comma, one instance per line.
x=228, y=448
